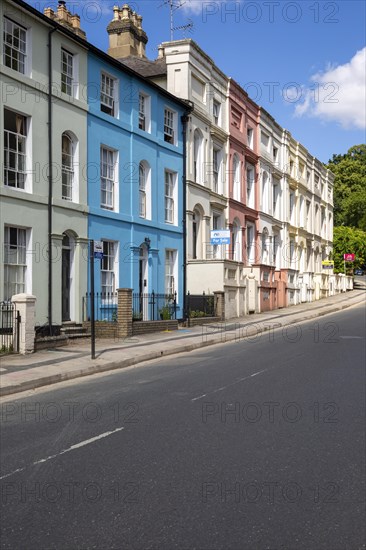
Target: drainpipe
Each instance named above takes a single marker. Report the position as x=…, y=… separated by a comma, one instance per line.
x=184, y=120
x=50, y=180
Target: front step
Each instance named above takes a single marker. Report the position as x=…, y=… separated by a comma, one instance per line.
x=74, y=330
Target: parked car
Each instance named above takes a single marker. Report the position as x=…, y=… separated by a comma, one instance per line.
x=359, y=272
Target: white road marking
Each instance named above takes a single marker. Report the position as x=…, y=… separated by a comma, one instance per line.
x=11, y=473
x=72, y=448
x=228, y=386
x=199, y=397
x=352, y=337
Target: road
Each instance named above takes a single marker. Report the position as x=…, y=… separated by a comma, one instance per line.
x=253, y=445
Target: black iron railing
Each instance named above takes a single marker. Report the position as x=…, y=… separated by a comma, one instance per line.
x=151, y=306
x=200, y=305
x=9, y=320
x=105, y=306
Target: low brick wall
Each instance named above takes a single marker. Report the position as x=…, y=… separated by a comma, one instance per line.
x=143, y=327
x=197, y=321
x=103, y=329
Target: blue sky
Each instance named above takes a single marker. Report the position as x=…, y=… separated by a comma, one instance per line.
x=304, y=61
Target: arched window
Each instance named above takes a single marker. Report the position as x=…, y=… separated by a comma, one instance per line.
x=237, y=242
x=196, y=233
x=265, y=239
x=236, y=178
x=144, y=191
x=265, y=191
x=68, y=163
x=198, y=157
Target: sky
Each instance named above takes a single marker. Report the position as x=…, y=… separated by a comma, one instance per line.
x=303, y=61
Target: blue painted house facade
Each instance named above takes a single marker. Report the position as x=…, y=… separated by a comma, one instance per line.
x=135, y=182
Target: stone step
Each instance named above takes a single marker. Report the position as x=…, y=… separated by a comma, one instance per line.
x=76, y=335
x=75, y=329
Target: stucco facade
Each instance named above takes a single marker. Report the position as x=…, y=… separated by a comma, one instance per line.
x=140, y=226
x=25, y=171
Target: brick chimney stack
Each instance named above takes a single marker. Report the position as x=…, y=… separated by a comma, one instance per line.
x=126, y=36
x=65, y=18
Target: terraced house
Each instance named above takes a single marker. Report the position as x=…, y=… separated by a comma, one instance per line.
x=149, y=157
x=244, y=175
x=135, y=173
x=43, y=136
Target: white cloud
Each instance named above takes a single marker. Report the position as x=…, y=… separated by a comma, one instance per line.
x=338, y=94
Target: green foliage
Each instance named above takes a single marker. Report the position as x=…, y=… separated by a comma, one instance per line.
x=347, y=240
x=350, y=187
x=165, y=313
x=197, y=313
x=4, y=349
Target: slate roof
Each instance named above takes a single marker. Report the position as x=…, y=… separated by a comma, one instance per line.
x=144, y=66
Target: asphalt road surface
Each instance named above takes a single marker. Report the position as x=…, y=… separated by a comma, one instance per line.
x=254, y=445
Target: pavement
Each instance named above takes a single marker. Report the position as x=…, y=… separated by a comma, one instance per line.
x=19, y=373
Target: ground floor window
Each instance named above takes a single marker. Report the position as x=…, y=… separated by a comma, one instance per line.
x=15, y=266
x=108, y=267
x=170, y=271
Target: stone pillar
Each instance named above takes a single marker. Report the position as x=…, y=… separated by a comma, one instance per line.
x=220, y=304
x=25, y=304
x=252, y=293
x=124, y=315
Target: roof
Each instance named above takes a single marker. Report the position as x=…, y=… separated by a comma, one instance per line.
x=145, y=67
x=100, y=53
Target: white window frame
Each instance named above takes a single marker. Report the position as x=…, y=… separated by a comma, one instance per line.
x=109, y=178
x=144, y=112
x=109, y=267
x=216, y=112
x=217, y=250
x=18, y=52
x=67, y=76
x=69, y=171
x=217, y=160
x=237, y=242
x=275, y=190
x=236, y=177
x=15, y=255
x=198, y=162
x=265, y=251
x=170, y=197
x=250, y=185
x=292, y=207
x=170, y=126
x=144, y=190
x=21, y=153
x=250, y=136
x=250, y=231
x=171, y=271
x=109, y=94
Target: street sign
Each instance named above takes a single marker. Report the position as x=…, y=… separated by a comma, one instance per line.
x=349, y=257
x=327, y=264
x=98, y=250
x=221, y=236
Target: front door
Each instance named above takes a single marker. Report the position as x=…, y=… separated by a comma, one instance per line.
x=66, y=268
x=143, y=282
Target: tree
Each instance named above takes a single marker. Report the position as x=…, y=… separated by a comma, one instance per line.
x=348, y=240
x=350, y=187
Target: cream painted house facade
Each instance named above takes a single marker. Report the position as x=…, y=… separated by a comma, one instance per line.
x=192, y=75
x=35, y=129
